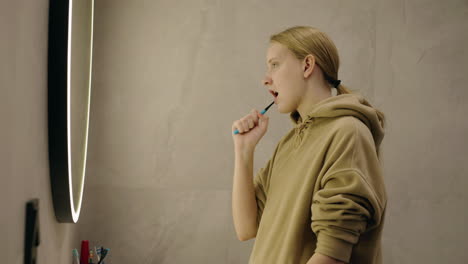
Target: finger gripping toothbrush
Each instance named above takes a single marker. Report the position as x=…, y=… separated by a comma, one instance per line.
x=263, y=112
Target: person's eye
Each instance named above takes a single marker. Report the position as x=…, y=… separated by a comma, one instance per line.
x=273, y=64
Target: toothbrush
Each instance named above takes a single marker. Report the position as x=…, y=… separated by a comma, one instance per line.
x=263, y=112
x=104, y=254
x=76, y=256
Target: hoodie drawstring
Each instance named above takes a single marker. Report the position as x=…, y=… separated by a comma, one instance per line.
x=299, y=131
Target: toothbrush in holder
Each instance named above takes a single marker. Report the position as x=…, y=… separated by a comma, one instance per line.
x=76, y=256
x=103, y=255
x=263, y=112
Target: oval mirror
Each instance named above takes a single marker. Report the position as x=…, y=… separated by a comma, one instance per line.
x=69, y=90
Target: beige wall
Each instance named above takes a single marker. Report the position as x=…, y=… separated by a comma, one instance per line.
x=24, y=158
x=170, y=77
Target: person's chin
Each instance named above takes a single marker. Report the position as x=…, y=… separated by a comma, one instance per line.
x=278, y=108
x=282, y=110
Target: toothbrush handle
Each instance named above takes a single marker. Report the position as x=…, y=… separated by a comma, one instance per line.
x=237, y=131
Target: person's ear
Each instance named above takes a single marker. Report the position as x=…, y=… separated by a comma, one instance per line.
x=308, y=65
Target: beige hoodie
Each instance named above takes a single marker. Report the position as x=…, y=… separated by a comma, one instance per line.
x=323, y=189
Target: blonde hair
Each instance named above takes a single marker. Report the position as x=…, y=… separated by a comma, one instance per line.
x=305, y=40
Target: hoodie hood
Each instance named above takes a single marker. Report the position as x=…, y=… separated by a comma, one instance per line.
x=344, y=105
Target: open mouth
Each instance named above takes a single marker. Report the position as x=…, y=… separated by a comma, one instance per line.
x=275, y=94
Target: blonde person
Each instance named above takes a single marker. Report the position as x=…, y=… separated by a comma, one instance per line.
x=321, y=197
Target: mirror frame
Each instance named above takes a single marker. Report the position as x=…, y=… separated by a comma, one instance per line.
x=59, y=114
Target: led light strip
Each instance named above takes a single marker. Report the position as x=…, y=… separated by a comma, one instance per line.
x=76, y=213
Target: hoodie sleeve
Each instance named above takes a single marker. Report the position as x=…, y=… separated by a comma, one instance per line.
x=261, y=183
x=350, y=197
x=260, y=189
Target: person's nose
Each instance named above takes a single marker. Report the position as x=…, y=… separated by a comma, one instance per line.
x=267, y=80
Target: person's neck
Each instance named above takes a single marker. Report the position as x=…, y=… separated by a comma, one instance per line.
x=312, y=98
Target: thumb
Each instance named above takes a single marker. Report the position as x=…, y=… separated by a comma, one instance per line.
x=263, y=121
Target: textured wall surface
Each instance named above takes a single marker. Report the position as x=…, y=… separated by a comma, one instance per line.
x=170, y=77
